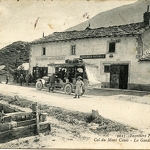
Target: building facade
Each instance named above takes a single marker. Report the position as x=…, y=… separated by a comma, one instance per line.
x=116, y=50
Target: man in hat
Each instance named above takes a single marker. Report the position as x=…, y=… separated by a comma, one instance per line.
x=51, y=83
x=27, y=79
x=79, y=85
x=21, y=78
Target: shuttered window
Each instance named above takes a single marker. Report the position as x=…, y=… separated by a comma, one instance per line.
x=44, y=51
x=73, y=49
x=112, y=47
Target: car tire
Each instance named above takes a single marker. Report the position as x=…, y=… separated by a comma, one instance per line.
x=68, y=89
x=39, y=85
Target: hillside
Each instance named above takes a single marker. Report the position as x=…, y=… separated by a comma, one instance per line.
x=13, y=55
x=126, y=14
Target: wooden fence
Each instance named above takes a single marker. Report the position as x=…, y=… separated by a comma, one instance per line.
x=22, y=124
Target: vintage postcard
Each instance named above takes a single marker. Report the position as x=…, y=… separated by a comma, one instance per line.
x=75, y=74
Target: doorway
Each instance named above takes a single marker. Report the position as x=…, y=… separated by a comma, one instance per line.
x=119, y=76
x=39, y=72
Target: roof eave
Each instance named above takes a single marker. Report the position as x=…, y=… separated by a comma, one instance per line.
x=106, y=36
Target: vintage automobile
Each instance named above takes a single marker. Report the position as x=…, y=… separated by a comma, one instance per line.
x=67, y=73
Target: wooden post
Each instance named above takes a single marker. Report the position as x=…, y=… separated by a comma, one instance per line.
x=43, y=117
x=95, y=114
x=37, y=118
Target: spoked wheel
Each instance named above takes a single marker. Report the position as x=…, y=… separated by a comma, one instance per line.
x=68, y=89
x=39, y=85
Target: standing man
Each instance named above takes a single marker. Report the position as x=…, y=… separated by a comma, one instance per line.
x=7, y=78
x=21, y=79
x=51, y=82
x=27, y=79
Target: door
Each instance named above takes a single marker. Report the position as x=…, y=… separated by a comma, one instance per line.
x=114, y=76
x=123, y=78
x=119, y=76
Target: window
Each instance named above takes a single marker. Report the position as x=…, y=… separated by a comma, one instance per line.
x=43, y=51
x=112, y=47
x=73, y=50
x=107, y=68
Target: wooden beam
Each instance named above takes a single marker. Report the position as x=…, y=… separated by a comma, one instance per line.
x=7, y=126
x=26, y=122
x=20, y=116
x=24, y=131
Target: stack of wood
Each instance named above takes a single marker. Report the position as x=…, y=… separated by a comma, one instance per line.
x=21, y=124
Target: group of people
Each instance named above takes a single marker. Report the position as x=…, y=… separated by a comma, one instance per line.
x=26, y=79
x=64, y=73
x=21, y=79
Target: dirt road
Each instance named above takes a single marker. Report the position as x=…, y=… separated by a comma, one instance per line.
x=119, y=108
x=67, y=118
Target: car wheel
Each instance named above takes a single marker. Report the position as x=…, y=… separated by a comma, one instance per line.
x=39, y=85
x=68, y=89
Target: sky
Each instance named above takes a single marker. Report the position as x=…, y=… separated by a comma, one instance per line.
x=26, y=20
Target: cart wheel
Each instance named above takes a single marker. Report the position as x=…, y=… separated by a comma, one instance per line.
x=68, y=89
x=39, y=85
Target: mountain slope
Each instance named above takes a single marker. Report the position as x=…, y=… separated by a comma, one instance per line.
x=14, y=55
x=131, y=13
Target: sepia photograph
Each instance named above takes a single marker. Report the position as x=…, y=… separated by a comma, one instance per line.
x=75, y=74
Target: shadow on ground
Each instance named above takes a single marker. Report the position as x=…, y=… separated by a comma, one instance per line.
x=112, y=92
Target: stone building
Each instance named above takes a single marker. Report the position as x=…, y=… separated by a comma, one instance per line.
x=120, y=52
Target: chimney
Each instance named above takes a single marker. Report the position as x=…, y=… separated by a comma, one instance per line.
x=147, y=17
x=43, y=34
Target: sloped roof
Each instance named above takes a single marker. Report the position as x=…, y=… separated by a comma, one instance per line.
x=25, y=66
x=121, y=30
